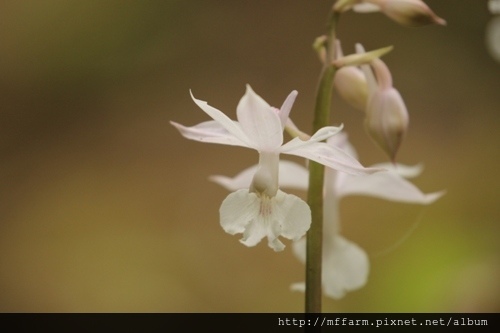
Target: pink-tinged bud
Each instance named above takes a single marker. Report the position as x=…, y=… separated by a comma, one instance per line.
x=386, y=115
x=350, y=83
x=387, y=120
x=414, y=13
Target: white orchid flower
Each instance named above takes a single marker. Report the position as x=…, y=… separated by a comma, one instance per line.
x=261, y=209
x=345, y=264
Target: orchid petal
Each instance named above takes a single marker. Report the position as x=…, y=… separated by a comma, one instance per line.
x=255, y=231
x=320, y=135
x=294, y=214
x=285, y=109
x=222, y=119
x=209, y=131
x=329, y=156
x=299, y=249
x=237, y=210
x=386, y=185
x=325, y=133
x=260, y=216
x=406, y=171
x=293, y=175
x=240, y=181
x=345, y=268
x=259, y=121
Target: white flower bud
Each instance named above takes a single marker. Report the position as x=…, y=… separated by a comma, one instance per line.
x=387, y=120
x=386, y=115
x=351, y=85
x=413, y=13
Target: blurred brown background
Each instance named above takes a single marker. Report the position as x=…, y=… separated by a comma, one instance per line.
x=105, y=207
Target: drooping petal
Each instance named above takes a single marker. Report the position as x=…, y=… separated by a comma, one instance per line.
x=222, y=119
x=345, y=268
x=405, y=171
x=240, y=181
x=260, y=216
x=293, y=175
x=385, y=185
x=209, y=131
x=293, y=215
x=299, y=249
x=238, y=210
x=329, y=156
x=260, y=122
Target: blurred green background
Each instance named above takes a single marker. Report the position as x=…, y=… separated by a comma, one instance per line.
x=105, y=207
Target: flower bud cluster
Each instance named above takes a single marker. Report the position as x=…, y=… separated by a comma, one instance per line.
x=370, y=89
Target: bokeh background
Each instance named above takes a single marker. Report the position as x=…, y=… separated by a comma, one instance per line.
x=104, y=207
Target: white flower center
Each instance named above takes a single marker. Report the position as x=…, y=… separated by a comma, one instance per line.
x=266, y=207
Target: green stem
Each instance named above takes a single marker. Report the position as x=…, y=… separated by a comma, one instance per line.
x=316, y=174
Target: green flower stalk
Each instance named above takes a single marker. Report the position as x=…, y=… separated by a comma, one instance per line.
x=314, y=237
